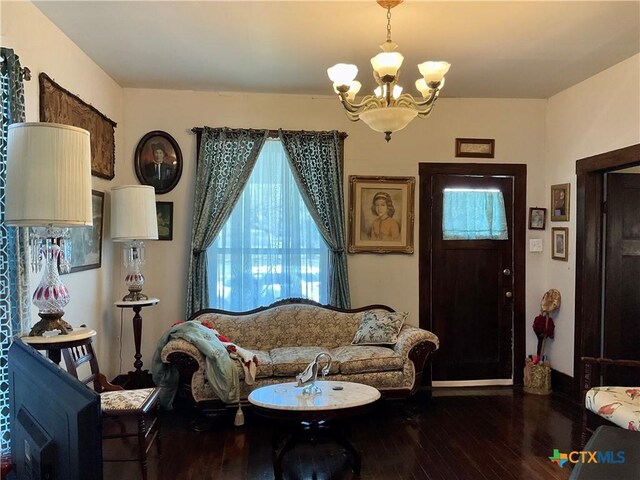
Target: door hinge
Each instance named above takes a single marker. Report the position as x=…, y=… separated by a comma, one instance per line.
x=604, y=207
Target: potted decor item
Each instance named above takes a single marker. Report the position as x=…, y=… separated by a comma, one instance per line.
x=537, y=370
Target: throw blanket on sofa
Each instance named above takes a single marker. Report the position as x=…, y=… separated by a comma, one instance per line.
x=220, y=370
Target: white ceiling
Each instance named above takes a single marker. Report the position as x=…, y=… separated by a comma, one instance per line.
x=497, y=49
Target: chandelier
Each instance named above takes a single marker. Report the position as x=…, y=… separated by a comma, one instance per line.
x=388, y=109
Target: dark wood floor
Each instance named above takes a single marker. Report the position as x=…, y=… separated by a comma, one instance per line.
x=484, y=435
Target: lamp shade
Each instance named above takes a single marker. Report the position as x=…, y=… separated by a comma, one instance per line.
x=48, y=175
x=133, y=213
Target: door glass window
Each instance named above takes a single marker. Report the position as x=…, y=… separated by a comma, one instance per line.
x=473, y=214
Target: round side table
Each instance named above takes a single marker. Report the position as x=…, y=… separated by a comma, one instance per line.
x=55, y=343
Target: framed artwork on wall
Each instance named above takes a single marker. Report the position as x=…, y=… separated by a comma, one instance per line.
x=537, y=218
x=158, y=161
x=560, y=243
x=475, y=147
x=58, y=105
x=381, y=214
x=164, y=212
x=86, y=242
x=560, y=195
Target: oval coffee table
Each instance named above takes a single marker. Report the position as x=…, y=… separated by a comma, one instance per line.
x=313, y=416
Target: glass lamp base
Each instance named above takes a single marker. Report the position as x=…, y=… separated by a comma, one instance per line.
x=49, y=322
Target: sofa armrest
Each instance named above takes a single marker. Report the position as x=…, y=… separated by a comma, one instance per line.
x=410, y=336
x=416, y=344
x=186, y=358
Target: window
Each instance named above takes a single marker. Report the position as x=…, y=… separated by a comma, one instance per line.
x=473, y=214
x=270, y=247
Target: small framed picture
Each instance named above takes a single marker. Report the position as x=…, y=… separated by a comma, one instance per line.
x=560, y=243
x=86, y=242
x=560, y=195
x=158, y=161
x=537, y=218
x=381, y=214
x=164, y=213
x=475, y=147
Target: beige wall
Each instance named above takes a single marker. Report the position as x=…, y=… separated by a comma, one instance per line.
x=516, y=125
x=44, y=48
x=595, y=116
x=546, y=136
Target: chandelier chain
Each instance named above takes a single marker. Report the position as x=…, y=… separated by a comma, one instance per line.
x=388, y=24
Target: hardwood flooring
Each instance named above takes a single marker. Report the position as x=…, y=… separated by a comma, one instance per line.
x=457, y=435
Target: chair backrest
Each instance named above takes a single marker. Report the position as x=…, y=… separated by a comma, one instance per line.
x=75, y=357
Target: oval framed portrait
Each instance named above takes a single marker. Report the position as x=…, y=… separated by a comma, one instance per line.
x=158, y=161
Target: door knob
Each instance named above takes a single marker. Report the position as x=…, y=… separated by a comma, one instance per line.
x=508, y=294
x=506, y=271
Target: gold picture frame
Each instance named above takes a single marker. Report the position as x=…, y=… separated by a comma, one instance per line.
x=381, y=214
x=560, y=197
x=560, y=243
x=475, y=147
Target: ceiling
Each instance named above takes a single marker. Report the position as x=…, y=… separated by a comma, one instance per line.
x=497, y=49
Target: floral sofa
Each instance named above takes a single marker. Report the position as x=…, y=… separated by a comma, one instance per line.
x=287, y=335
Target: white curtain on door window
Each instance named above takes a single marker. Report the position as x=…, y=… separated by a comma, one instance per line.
x=474, y=214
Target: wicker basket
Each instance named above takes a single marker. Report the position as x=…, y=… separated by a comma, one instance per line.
x=537, y=378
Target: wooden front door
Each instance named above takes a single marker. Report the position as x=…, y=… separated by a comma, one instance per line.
x=469, y=288
x=621, y=327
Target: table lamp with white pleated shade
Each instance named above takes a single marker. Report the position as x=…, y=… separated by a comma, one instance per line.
x=133, y=219
x=49, y=186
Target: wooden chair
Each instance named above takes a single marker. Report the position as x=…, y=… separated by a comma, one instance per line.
x=592, y=370
x=119, y=405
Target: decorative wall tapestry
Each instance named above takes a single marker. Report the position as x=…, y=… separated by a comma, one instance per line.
x=58, y=105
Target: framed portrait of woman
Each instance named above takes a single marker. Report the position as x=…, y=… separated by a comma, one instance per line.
x=158, y=161
x=381, y=214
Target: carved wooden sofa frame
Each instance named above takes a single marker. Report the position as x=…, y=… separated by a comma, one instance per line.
x=187, y=365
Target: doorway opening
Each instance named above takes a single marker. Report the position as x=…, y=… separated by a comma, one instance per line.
x=591, y=231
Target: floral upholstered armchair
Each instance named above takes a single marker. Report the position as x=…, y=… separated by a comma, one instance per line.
x=617, y=405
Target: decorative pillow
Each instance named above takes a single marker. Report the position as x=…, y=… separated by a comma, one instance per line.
x=379, y=328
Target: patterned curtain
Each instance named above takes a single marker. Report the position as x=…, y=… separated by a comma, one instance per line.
x=225, y=161
x=14, y=281
x=317, y=163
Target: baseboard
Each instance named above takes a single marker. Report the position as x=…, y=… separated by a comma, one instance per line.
x=562, y=385
x=472, y=383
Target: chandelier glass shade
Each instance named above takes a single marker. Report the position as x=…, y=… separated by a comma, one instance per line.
x=388, y=109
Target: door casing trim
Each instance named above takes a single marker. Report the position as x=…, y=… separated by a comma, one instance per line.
x=588, y=303
x=519, y=174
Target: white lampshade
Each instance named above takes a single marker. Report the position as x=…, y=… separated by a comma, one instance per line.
x=133, y=213
x=434, y=72
x=387, y=63
x=342, y=74
x=48, y=175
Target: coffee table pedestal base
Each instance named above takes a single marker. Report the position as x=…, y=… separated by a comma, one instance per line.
x=313, y=433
